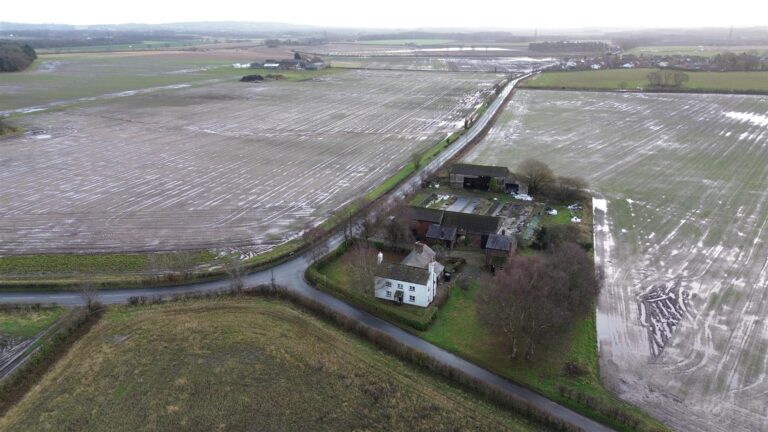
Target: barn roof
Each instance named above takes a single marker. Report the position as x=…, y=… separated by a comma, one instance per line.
x=427, y=214
x=473, y=223
x=500, y=242
x=439, y=232
x=403, y=273
x=480, y=170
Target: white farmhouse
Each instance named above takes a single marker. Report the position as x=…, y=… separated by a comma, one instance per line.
x=413, y=281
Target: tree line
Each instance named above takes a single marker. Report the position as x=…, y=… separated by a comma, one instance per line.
x=15, y=57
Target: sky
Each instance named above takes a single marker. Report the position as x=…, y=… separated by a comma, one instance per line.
x=404, y=14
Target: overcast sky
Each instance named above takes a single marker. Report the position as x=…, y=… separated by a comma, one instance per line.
x=503, y=14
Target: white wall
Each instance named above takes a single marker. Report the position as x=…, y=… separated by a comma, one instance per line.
x=422, y=294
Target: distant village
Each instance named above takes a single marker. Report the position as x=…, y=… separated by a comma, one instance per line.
x=720, y=62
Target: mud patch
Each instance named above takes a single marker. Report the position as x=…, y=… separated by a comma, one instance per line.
x=662, y=308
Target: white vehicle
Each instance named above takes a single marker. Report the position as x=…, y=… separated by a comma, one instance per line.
x=523, y=197
x=576, y=219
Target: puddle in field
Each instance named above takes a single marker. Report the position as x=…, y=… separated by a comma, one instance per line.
x=662, y=308
x=754, y=118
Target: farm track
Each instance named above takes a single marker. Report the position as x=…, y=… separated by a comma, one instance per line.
x=226, y=164
x=680, y=318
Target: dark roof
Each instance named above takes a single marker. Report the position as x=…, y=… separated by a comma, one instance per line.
x=499, y=242
x=403, y=273
x=480, y=170
x=439, y=232
x=473, y=223
x=427, y=214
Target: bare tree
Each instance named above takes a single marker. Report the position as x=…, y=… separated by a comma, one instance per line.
x=361, y=265
x=536, y=173
x=233, y=265
x=90, y=296
x=315, y=239
x=515, y=304
x=398, y=229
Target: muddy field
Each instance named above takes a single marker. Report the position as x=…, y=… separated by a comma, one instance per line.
x=225, y=164
x=448, y=64
x=684, y=183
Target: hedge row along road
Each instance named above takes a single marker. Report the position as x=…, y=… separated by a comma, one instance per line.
x=291, y=275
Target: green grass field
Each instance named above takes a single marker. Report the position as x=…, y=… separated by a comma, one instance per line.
x=240, y=364
x=67, y=264
x=695, y=50
x=26, y=323
x=631, y=79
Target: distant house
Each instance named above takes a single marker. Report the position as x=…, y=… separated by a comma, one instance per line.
x=470, y=176
x=271, y=64
x=291, y=64
x=413, y=281
x=423, y=218
x=442, y=235
x=498, y=248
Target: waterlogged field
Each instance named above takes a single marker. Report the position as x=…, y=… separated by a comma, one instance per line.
x=443, y=63
x=681, y=234
x=247, y=364
x=228, y=164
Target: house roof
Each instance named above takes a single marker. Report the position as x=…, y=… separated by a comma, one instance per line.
x=480, y=170
x=420, y=256
x=427, y=214
x=473, y=223
x=403, y=273
x=500, y=242
x=439, y=232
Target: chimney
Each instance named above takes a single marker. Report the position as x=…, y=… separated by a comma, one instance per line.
x=379, y=258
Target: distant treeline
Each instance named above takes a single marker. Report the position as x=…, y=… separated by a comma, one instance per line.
x=462, y=37
x=569, y=46
x=58, y=39
x=15, y=57
x=714, y=36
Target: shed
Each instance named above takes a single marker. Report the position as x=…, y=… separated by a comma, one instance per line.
x=443, y=235
x=498, y=248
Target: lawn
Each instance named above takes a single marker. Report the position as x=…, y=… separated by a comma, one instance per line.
x=27, y=322
x=240, y=364
x=614, y=79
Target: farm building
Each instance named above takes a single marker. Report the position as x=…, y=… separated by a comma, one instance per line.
x=423, y=218
x=474, y=227
x=470, y=176
x=442, y=235
x=413, y=281
x=498, y=248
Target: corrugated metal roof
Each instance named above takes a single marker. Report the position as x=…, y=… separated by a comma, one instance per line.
x=499, y=242
x=439, y=232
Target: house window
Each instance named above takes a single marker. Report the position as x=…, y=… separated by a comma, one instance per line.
x=411, y=299
x=389, y=293
x=400, y=286
x=388, y=284
x=412, y=289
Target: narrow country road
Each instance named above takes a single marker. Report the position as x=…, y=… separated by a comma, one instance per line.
x=290, y=274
